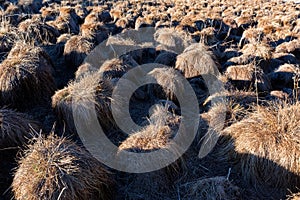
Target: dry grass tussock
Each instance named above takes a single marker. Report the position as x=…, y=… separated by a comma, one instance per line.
x=37, y=31
x=169, y=81
x=56, y=168
x=157, y=135
x=66, y=22
x=288, y=47
x=114, y=68
x=245, y=77
x=234, y=112
x=26, y=77
x=95, y=32
x=76, y=49
x=89, y=93
x=84, y=69
x=215, y=188
x=266, y=143
x=261, y=50
x=15, y=128
x=195, y=61
x=171, y=39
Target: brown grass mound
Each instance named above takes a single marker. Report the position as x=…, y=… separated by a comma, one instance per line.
x=63, y=38
x=56, y=168
x=215, y=188
x=35, y=30
x=81, y=12
x=114, y=68
x=266, y=144
x=157, y=135
x=66, y=22
x=76, y=50
x=234, y=112
x=163, y=126
x=152, y=138
x=89, y=93
x=15, y=128
x=261, y=50
x=245, y=77
x=251, y=35
x=48, y=13
x=195, y=61
x=172, y=40
x=125, y=42
x=288, y=47
x=207, y=36
x=26, y=77
x=168, y=79
x=96, y=32
x=84, y=69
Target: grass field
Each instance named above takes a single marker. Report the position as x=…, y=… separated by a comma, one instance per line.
x=61, y=60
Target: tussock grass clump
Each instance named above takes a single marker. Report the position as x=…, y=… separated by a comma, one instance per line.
x=67, y=21
x=56, y=168
x=217, y=188
x=115, y=68
x=155, y=136
x=288, y=47
x=151, y=138
x=26, y=77
x=15, y=128
x=234, y=112
x=125, y=43
x=81, y=12
x=89, y=93
x=244, y=98
x=261, y=50
x=35, y=30
x=63, y=38
x=172, y=40
x=168, y=80
x=13, y=14
x=196, y=60
x=96, y=32
x=245, y=77
x=163, y=126
x=266, y=145
x=76, y=50
x=251, y=35
x=84, y=69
